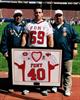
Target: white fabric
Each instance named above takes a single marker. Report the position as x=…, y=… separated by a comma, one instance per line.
x=18, y=11
x=58, y=12
x=40, y=32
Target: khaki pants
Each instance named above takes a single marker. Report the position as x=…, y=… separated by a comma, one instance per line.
x=66, y=74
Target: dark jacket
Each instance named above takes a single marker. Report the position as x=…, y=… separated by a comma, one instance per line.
x=64, y=39
x=11, y=37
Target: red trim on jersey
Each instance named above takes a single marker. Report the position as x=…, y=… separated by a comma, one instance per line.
x=38, y=22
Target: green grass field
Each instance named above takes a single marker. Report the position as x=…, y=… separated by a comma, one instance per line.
x=76, y=61
x=3, y=62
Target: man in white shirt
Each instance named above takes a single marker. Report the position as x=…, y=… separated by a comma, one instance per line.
x=38, y=33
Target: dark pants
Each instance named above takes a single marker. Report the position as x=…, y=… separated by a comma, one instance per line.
x=9, y=71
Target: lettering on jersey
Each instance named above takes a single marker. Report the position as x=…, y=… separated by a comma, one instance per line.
x=38, y=28
x=36, y=65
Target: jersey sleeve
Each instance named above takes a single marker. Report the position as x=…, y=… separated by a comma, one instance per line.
x=49, y=29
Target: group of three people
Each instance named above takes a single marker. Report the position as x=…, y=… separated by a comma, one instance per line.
x=39, y=33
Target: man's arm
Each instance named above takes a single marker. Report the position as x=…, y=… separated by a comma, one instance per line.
x=75, y=51
x=75, y=35
x=24, y=42
x=50, y=40
x=76, y=39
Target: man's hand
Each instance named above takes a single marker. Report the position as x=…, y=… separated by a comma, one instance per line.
x=6, y=54
x=23, y=42
x=50, y=41
x=75, y=53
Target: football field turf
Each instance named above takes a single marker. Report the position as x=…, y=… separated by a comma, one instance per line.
x=76, y=61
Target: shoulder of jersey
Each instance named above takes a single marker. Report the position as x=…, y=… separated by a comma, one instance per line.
x=47, y=23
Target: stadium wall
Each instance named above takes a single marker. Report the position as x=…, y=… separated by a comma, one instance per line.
x=28, y=13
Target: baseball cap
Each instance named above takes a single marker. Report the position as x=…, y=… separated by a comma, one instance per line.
x=18, y=12
x=58, y=12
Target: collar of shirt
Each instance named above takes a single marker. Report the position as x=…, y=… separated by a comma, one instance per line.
x=58, y=26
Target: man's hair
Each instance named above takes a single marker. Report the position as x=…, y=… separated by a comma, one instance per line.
x=38, y=7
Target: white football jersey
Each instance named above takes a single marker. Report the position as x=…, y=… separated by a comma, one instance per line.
x=38, y=33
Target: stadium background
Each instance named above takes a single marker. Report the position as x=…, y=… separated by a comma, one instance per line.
x=28, y=13
x=70, y=13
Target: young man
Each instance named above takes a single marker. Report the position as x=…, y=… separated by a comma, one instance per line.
x=11, y=38
x=65, y=38
x=39, y=33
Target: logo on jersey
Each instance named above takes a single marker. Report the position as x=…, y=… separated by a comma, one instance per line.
x=36, y=56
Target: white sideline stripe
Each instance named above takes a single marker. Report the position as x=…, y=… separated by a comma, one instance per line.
x=75, y=75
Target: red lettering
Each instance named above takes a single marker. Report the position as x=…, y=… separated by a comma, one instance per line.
x=32, y=74
x=37, y=74
x=41, y=74
x=36, y=65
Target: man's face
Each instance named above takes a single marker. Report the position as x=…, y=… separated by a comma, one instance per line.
x=59, y=18
x=38, y=13
x=18, y=18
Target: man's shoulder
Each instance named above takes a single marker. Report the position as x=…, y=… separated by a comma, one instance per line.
x=47, y=23
x=8, y=25
x=67, y=24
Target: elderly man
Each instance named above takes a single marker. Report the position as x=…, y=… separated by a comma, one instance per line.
x=65, y=38
x=11, y=38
